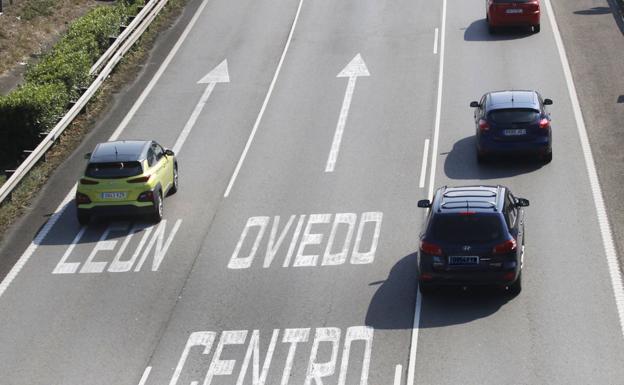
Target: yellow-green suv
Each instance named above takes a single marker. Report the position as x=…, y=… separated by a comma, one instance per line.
x=126, y=177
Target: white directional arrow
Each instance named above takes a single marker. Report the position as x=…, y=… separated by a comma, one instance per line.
x=218, y=75
x=353, y=70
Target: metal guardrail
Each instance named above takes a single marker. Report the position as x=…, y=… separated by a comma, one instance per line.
x=141, y=22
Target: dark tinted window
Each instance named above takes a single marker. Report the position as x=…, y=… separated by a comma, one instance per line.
x=114, y=170
x=466, y=228
x=516, y=115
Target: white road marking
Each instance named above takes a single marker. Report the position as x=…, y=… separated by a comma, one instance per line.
x=70, y=195
x=397, y=374
x=264, y=104
x=423, y=168
x=353, y=70
x=411, y=369
x=145, y=375
x=601, y=211
x=218, y=75
x=158, y=74
x=435, y=42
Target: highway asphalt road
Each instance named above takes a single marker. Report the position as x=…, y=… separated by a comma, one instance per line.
x=282, y=262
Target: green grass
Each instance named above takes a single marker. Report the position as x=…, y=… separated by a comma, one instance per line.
x=35, y=8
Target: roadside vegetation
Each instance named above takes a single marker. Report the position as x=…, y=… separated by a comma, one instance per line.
x=50, y=84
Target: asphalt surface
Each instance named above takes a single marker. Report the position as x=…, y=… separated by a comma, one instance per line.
x=299, y=275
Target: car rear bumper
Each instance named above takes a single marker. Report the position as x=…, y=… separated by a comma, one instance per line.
x=469, y=277
x=511, y=20
x=540, y=146
x=117, y=210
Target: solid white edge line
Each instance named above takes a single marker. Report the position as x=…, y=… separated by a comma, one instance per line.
x=30, y=250
x=397, y=374
x=423, y=168
x=434, y=151
x=264, y=104
x=435, y=42
x=158, y=73
x=145, y=375
x=601, y=212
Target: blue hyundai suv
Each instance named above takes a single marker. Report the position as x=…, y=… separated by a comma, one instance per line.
x=473, y=235
x=513, y=122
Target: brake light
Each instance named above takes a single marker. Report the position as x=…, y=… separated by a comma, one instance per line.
x=88, y=181
x=82, y=199
x=483, y=125
x=430, y=248
x=146, y=196
x=505, y=247
x=141, y=179
x=544, y=123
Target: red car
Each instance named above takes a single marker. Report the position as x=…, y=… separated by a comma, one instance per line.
x=508, y=13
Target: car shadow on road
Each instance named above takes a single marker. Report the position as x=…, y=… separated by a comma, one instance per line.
x=461, y=163
x=392, y=306
x=478, y=31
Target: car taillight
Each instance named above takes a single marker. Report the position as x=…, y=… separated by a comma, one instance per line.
x=430, y=248
x=141, y=179
x=544, y=124
x=505, y=247
x=483, y=125
x=146, y=196
x=82, y=198
x=88, y=181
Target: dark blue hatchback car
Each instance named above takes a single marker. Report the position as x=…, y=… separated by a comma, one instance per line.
x=474, y=235
x=513, y=122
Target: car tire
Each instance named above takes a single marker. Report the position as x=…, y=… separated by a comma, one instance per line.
x=83, y=217
x=157, y=213
x=536, y=28
x=515, y=288
x=174, y=188
x=491, y=29
x=547, y=158
x=426, y=288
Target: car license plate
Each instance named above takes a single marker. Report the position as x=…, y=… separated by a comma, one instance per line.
x=513, y=10
x=464, y=260
x=114, y=195
x=515, y=132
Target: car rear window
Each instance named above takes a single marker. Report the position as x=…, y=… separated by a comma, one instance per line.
x=513, y=115
x=455, y=228
x=114, y=170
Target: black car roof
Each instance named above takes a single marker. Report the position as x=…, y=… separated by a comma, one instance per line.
x=512, y=99
x=120, y=151
x=469, y=198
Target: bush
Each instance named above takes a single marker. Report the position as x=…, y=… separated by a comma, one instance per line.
x=51, y=83
x=26, y=112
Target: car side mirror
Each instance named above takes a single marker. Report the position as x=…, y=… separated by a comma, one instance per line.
x=87, y=156
x=169, y=152
x=521, y=202
x=424, y=203
x=548, y=102
x=476, y=104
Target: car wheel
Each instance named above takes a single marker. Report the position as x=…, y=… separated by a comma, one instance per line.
x=536, y=28
x=174, y=188
x=426, y=288
x=157, y=213
x=547, y=158
x=83, y=217
x=515, y=288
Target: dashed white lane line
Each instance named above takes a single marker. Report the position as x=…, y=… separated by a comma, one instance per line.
x=435, y=42
x=411, y=370
x=423, y=168
x=264, y=104
x=601, y=211
x=397, y=374
x=145, y=375
x=30, y=250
